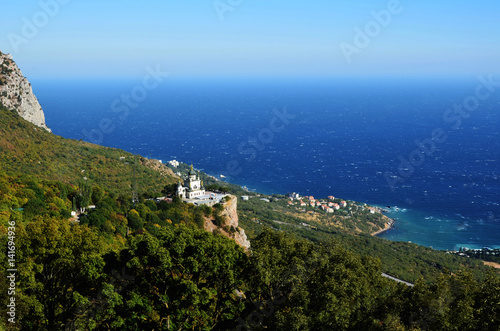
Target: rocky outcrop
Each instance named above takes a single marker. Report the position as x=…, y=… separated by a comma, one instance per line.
x=230, y=228
x=230, y=213
x=16, y=92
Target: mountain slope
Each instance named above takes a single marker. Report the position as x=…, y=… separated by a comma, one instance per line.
x=25, y=148
x=16, y=92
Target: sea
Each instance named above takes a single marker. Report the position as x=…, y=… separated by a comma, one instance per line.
x=425, y=149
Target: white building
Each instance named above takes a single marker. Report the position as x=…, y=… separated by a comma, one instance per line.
x=193, y=186
x=173, y=163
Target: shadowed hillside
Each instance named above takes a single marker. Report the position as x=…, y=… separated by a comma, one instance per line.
x=25, y=148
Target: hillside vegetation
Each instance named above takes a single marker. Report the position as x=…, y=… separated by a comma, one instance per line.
x=27, y=149
x=149, y=265
x=183, y=278
x=406, y=261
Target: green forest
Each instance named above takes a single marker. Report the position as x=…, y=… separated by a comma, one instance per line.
x=403, y=260
x=150, y=265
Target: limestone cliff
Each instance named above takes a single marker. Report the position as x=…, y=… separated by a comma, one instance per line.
x=231, y=228
x=16, y=92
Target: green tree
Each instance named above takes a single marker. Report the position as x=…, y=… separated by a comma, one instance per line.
x=83, y=198
x=34, y=207
x=134, y=220
x=151, y=205
x=297, y=285
x=97, y=194
x=60, y=270
x=169, y=190
x=184, y=278
x=488, y=303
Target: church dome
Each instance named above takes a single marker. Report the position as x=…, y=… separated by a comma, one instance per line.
x=192, y=172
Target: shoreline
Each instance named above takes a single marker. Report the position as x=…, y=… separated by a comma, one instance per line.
x=390, y=223
x=387, y=227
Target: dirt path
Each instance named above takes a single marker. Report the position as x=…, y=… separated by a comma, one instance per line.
x=492, y=264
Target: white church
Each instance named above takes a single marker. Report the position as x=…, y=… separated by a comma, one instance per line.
x=193, y=187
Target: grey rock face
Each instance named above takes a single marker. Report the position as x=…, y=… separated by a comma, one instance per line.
x=16, y=92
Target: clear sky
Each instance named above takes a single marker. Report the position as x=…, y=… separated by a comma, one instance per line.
x=119, y=38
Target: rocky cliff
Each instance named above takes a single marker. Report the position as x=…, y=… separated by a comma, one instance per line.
x=16, y=92
x=231, y=228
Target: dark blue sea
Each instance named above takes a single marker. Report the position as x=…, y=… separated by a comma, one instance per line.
x=429, y=149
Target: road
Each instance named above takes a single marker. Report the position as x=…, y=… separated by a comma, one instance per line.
x=397, y=280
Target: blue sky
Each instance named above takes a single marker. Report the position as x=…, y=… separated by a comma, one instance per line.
x=90, y=38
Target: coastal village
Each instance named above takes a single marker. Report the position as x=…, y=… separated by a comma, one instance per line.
x=328, y=205
x=328, y=211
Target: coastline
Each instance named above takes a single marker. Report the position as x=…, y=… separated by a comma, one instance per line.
x=387, y=227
